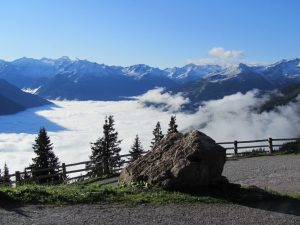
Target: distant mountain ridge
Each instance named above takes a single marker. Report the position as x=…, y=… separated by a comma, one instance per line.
x=65, y=78
x=241, y=78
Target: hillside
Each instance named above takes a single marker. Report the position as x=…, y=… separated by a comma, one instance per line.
x=285, y=96
x=13, y=100
x=9, y=107
x=108, y=87
x=204, y=89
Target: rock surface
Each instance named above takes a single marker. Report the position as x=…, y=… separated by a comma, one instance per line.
x=180, y=161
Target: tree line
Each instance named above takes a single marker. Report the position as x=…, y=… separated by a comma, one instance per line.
x=105, y=157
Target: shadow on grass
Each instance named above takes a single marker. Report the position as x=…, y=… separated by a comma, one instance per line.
x=255, y=197
x=9, y=204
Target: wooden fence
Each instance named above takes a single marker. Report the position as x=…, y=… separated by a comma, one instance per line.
x=64, y=170
x=268, y=145
x=232, y=148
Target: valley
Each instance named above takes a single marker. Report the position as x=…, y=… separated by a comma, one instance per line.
x=73, y=125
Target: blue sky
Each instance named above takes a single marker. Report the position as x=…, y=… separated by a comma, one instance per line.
x=160, y=33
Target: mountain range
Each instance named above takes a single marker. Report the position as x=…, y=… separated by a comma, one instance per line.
x=65, y=78
x=241, y=78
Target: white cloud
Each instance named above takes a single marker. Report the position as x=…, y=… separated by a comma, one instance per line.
x=219, y=56
x=233, y=118
x=225, y=54
x=82, y=122
x=214, y=61
x=227, y=119
x=164, y=100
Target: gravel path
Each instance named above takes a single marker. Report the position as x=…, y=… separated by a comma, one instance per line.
x=146, y=214
x=280, y=173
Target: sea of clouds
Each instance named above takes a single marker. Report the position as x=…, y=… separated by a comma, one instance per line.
x=73, y=125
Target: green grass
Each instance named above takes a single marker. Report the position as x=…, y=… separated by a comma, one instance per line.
x=134, y=194
x=295, y=195
x=93, y=193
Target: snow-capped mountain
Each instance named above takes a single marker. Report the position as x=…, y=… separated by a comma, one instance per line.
x=141, y=70
x=67, y=78
x=241, y=78
x=193, y=72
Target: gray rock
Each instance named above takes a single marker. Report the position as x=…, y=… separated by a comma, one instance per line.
x=180, y=161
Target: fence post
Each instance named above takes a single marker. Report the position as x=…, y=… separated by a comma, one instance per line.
x=64, y=170
x=270, y=145
x=18, y=177
x=235, y=147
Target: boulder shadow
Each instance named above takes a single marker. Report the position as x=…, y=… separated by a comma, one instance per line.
x=254, y=197
x=9, y=204
x=29, y=121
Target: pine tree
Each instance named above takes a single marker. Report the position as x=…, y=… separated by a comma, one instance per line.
x=6, y=175
x=46, y=158
x=105, y=151
x=172, y=126
x=158, y=135
x=136, y=149
x=4, y=178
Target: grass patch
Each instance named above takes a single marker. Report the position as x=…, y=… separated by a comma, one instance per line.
x=296, y=195
x=94, y=193
x=135, y=194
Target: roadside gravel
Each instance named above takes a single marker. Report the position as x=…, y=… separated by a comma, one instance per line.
x=279, y=173
x=145, y=214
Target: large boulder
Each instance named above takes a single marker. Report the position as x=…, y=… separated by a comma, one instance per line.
x=180, y=161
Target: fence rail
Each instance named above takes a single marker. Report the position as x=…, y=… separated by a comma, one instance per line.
x=64, y=169
x=269, y=143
